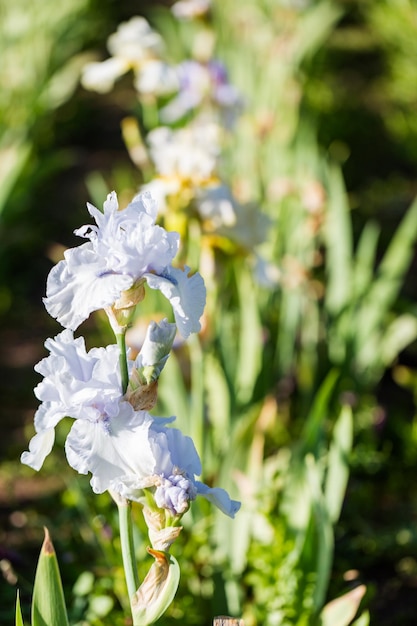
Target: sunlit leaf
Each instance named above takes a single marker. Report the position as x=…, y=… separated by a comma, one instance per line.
x=18, y=616
x=338, y=463
x=341, y=611
x=48, y=603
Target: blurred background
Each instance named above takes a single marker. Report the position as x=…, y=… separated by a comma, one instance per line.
x=300, y=393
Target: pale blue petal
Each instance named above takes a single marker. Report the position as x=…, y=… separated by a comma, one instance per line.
x=112, y=450
x=187, y=295
x=219, y=497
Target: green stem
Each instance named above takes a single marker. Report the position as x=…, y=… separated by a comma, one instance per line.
x=121, y=342
x=128, y=548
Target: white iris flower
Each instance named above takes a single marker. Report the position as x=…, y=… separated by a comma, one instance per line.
x=134, y=46
x=137, y=451
x=124, y=248
x=126, y=451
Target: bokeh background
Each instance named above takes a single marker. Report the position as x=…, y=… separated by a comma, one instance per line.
x=329, y=93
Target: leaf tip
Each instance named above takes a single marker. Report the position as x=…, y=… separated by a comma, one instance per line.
x=47, y=546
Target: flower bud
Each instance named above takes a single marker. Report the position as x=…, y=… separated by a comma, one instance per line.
x=143, y=397
x=157, y=590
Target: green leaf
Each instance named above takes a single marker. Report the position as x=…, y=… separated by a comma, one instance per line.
x=385, y=288
x=218, y=402
x=18, y=618
x=341, y=611
x=399, y=334
x=48, y=604
x=323, y=553
x=250, y=339
x=338, y=466
x=365, y=259
x=339, y=245
x=313, y=427
x=363, y=620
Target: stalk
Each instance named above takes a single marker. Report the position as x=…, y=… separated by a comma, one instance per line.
x=128, y=548
x=121, y=342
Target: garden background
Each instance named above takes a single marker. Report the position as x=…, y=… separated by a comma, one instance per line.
x=325, y=148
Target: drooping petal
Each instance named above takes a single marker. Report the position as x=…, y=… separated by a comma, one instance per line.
x=39, y=447
x=101, y=76
x=220, y=498
x=187, y=295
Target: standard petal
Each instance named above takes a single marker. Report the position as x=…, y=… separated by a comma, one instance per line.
x=219, y=497
x=77, y=383
x=187, y=295
x=39, y=447
x=173, y=450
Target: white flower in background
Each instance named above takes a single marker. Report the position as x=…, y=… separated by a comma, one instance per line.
x=222, y=213
x=156, y=78
x=217, y=207
x=185, y=160
x=136, y=41
x=267, y=274
x=188, y=9
x=101, y=76
x=137, y=451
x=243, y=224
x=201, y=83
x=189, y=153
x=126, y=248
x=134, y=46
x=162, y=187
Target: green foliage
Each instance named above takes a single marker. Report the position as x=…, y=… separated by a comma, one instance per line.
x=37, y=76
x=340, y=612
x=359, y=298
x=331, y=326
x=18, y=615
x=48, y=602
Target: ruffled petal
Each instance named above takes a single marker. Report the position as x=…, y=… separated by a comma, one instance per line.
x=77, y=383
x=79, y=285
x=173, y=450
x=112, y=449
x=187, y=295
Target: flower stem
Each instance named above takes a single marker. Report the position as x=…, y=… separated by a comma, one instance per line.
x=121, y=342
x=128, y=549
